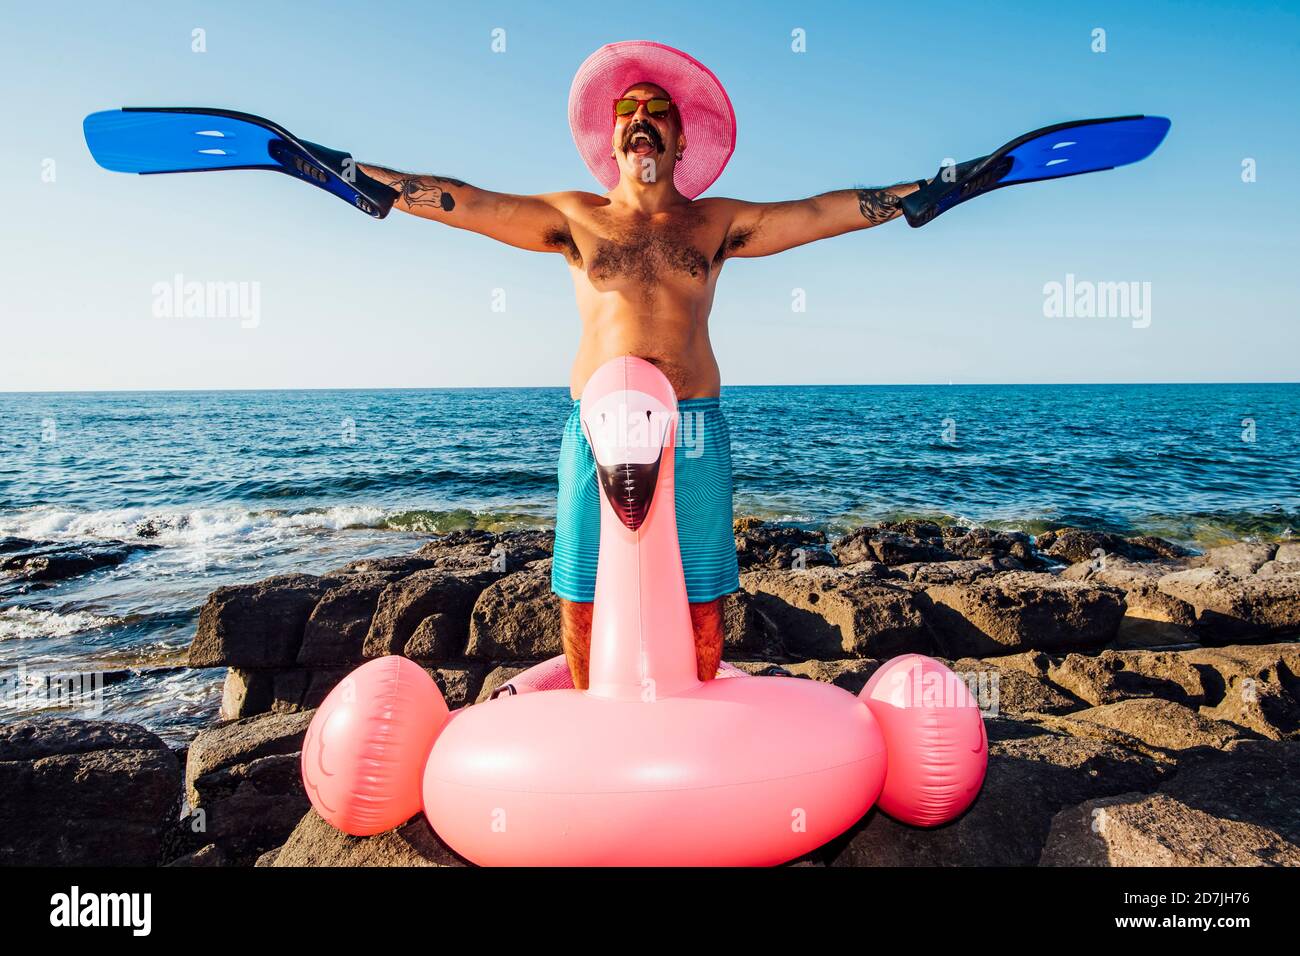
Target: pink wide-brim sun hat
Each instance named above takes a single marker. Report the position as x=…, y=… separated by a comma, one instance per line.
x=707, y=116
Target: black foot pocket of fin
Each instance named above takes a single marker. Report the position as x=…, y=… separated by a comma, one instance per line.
x=335, y=172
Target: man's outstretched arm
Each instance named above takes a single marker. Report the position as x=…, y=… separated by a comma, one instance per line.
x=527, y=222
x=766, y=228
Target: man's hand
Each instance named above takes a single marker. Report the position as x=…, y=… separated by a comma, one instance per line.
x=764, y=229
x=526, y=222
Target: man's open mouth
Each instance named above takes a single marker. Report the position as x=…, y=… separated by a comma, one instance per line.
x=642, y=140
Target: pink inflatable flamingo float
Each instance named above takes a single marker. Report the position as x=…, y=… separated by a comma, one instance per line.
x=650, y=766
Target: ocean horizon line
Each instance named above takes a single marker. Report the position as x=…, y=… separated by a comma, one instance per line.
x=198, y=390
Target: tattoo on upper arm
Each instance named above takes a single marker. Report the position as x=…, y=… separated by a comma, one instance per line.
x=428, y=191
x=877, y=205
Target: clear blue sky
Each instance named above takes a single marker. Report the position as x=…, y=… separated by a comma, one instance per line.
x=882, y=94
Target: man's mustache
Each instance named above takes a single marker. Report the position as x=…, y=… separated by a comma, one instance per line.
x=640, y=126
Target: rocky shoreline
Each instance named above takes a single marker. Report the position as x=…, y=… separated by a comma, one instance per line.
x=1142, y=701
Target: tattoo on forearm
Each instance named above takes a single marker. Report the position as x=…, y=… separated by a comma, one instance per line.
x=418, y=190
x=877, y=205
x=428, y=191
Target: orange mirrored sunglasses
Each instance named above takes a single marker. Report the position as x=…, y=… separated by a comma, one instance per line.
x=655, y=106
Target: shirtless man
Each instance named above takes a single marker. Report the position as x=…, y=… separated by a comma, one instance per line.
x=645, y=261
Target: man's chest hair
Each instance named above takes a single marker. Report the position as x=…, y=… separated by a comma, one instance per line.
x=643, y=248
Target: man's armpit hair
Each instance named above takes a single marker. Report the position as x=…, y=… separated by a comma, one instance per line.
x=561, y=240
x=733, y=243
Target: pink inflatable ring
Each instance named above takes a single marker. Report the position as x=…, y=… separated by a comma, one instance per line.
x=649, y=766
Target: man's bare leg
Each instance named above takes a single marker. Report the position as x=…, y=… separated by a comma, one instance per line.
x=575, y=635
x=706, y=621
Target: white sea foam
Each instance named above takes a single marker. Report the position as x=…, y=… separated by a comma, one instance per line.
x=26, y=622
x=183, y=528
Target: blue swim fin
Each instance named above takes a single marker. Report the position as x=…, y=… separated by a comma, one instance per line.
x=1067, y=149
x=197, y=139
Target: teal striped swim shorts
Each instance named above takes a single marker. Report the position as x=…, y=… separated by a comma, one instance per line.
x=702, y=471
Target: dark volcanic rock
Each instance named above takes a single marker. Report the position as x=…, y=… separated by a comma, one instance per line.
x=1257, y=687
x=256, y=625
x=1005, y=550
x=1151, y=617
x=1030, y=778
x=1016, y=684
x=476, y=550
x=1231, y=605
x=1158, y=728
x=1119, y=572
x=517, y=617
x=459, y=683
x=462, y=551
x=774, y=547
x=854, y=547
x=1242, y=558
x=246, y=693
x=57, y=562
x=944, y=572
x=84, y=793
x=1256, y=781
x=391, y=569
x=335, y=632
x=850, y=675
x=249, y=693
x=243, y=782
x=1075, y=544
x=890, y=547
x=746, y=632
x=434, y=603
x=1112, y=676
x=1234, y=807
x=1156, y=830
x=826, y=613
x=917, y=528
x=1166, y=550
x=1071, y=545
x=209, y=855
x=1115, y=735
x=1254, y=687
x=315, y=843
x=1020, y=611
